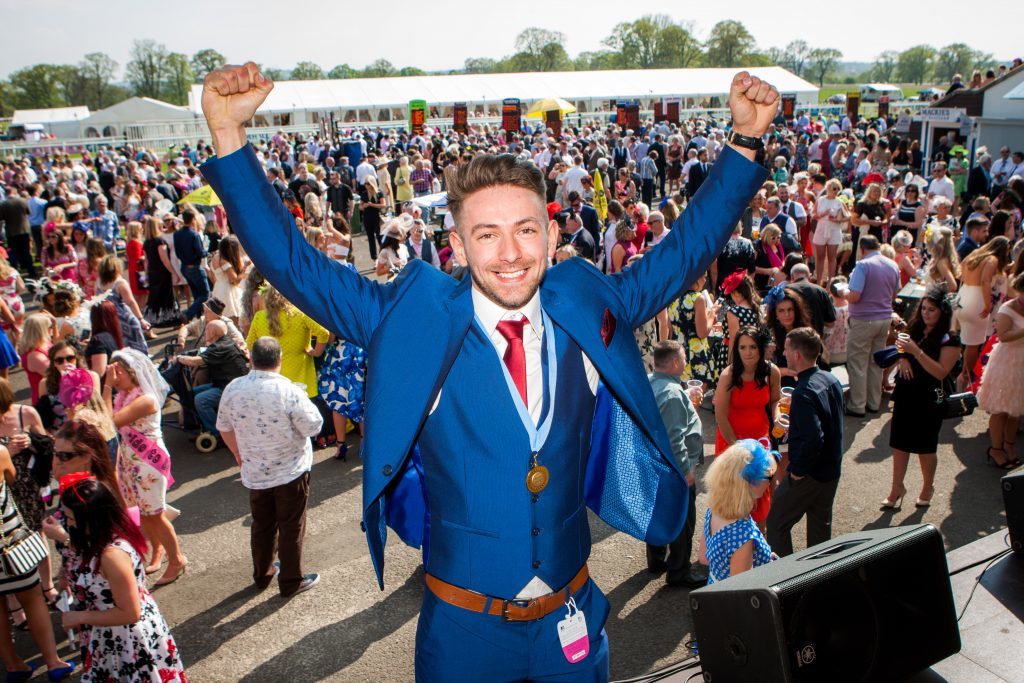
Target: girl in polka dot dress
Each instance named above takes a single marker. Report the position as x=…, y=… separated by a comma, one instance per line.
x=732, y=543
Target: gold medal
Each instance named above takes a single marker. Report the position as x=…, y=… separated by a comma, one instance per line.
x=537, y=477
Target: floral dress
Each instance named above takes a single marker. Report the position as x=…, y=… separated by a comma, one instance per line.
x=141, y=652
x=700, y=362
x=9, y=292
x=342, y=379
x=747, y=317
x=141, y=483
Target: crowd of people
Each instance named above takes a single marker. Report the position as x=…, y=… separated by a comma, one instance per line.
x=856, y=253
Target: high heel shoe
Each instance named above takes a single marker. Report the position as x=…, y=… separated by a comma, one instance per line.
x=1004, y=465
x=925, y=502
x=1015, y=461
x=61, y=673
x=17, y=676
x=891, y=504
x=165, y=579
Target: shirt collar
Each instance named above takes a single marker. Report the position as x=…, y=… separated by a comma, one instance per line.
x=672, y=378
x=491, y=314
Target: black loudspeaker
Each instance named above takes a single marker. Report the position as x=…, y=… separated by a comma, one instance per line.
x=1013, y=498
x=870, y=606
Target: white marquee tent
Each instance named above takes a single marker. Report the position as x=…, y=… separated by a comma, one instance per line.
x=384, y=99
x=59, y=121
x=112, y=121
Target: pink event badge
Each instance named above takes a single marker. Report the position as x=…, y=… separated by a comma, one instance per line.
x=572, y=634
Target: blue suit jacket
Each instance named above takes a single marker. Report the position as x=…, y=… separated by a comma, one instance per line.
x=582, y=301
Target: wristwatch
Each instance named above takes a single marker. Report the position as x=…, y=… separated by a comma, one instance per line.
x=756, y=144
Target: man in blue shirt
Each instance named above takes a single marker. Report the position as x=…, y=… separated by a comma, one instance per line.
x=189, y=249
x=810, y=470
x=36, y=215
x=686, y=435
x=104, y=225
x=975, y=234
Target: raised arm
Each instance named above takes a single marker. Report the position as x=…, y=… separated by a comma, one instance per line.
x=334, y=296
x=699, y=235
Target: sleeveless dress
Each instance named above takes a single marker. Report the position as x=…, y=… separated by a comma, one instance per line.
x=916, y=415
x=141, y=483
x=230, y=294
x=342, y=379
x=135, y=255
x=746, y=317
x=9, y=292
x=11, y=524
x=748, y=416
x=700, y=363
x=1002, y=384
x=35, y=379
x=141, y=652
x=728, y=540
x=8, y=356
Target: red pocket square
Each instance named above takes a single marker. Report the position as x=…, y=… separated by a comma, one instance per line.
x=607, y=328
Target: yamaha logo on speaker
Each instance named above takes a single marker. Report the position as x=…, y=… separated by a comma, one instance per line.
x=806, y=655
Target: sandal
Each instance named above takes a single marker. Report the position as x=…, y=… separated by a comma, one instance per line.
x=51, y=601
x=1014, y=460
x=20, y=625
x=1003, y=465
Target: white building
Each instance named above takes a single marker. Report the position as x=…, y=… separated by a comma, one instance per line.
x=61, y=122
x=375, y=100
x=125, y=117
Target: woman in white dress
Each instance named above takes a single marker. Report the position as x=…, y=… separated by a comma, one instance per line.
x=143, y=464
x=1002, y=385
x=229, y=272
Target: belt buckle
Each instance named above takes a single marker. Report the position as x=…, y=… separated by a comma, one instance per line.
x=514, y=603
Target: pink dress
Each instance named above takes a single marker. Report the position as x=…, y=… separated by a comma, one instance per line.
x=67, y=257
x=630, y=253
x=9, y=292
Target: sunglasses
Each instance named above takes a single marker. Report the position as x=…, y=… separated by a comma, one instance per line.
x=64, y=456
x=60, y=360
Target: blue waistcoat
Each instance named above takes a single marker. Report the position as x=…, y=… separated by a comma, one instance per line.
x=487, y=531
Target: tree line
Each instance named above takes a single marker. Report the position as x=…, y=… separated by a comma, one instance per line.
x=650, y=42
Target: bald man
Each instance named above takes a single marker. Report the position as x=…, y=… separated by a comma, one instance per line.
x=223, y=361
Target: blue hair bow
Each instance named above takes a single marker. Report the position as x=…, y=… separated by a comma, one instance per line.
x=774, y=296
x=755, y=470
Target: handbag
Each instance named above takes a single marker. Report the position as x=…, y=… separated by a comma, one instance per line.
x=955, y=405
x=22, y=551
x=41, y=448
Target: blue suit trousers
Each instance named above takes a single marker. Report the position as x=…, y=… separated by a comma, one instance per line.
x=454, y=645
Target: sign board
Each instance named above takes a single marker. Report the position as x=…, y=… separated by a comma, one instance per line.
x=789, y=106
x=902, y=124
x=853, y=106
x=883, y=106
x=417, y=116
x=628, y=114
x=510, y=114
x=553, y=120
x=668, y=110
x=939, y=114
x=460, y=116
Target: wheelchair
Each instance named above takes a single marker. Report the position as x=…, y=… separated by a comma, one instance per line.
x=182, y=380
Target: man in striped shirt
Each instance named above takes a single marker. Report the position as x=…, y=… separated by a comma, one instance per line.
x=648, y=174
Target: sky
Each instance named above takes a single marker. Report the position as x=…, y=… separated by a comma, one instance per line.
x=440, y=35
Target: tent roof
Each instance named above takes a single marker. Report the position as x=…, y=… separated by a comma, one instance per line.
x=55, y=115
x=363, y=93
x=139, y=109
x=883, y=86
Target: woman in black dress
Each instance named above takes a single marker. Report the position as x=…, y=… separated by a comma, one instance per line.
x=929, y=353
x=161, y=306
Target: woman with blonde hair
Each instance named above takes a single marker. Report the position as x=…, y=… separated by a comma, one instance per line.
x=33, y=346
x=312, y=211
x=136, y=256
x=296, y=333
x=832, y=217
x=11, y=287
x=731, y=542
x=907, y=258
x=372, y=201
x=944, y=265
x=974, y=300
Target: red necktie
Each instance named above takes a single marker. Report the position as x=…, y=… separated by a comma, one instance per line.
x=515, y=354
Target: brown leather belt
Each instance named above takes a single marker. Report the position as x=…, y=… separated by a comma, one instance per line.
x=509, y=610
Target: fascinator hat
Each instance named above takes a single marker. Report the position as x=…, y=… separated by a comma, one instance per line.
x=774, y=296
x=76, y=386
x=760, y=463
x=730, y=283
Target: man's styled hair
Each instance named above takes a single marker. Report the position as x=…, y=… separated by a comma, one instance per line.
x=266, y=354
x=869, y=243
x=665, y=351
x=491, y=170
x=806, y=341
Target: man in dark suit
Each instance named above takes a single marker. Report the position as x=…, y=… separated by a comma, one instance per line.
x=659, y=147
x=587, y=215
x=698, y=173
x=979, y=182
x=576, y=235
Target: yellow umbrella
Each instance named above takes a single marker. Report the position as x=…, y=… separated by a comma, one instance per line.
x=538, y=108
x=204, y=196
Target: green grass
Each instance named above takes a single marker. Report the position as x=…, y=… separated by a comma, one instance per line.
x=829, y=89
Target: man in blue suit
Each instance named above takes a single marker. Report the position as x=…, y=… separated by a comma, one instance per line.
x=535, y=407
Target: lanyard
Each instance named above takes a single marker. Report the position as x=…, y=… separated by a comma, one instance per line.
x=538, y=433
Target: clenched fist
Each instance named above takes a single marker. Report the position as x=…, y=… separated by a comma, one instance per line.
x=231, y=96
x=754, y=104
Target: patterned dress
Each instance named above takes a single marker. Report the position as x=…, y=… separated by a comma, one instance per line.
x=343, y=379
x=747, y=317
x=9, y=292
x=141, y=483
x=727, y=541
x=141, y=652
x=700, y=363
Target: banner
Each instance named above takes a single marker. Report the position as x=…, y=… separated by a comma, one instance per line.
x=460, y=117
x=553, y=120
x=883, y=107
x=668, y=110
x=628, y=115
x=789, y=106
x=511, y=111
x=853, y=106
x=417, y=116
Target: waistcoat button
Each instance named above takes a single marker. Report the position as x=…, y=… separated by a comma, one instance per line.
x=536, y=564
x=536, y=531
x=387, y=470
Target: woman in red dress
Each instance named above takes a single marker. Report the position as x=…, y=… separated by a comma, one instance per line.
x=745, y=400
x=136, y=261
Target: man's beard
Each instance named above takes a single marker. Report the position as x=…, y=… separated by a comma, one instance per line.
x=497, y=297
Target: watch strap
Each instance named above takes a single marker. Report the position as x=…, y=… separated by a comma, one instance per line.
x=756, y=144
